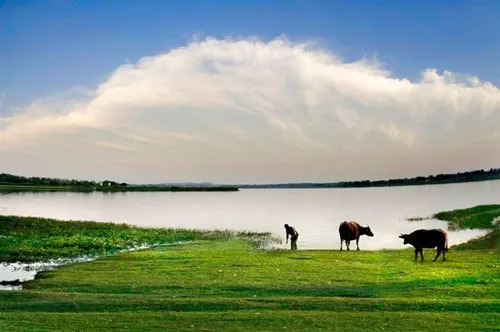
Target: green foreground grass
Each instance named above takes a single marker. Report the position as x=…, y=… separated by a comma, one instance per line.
x=226, y=283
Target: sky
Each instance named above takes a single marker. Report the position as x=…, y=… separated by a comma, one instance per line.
x=248, y=91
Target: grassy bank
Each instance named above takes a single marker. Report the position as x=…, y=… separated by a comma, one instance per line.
x=478, y=217
x=29, y=239
x=225, y=283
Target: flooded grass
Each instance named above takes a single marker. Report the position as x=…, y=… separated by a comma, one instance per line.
x=415, y=219
x=31, y=239
x=484, y=217
x=29, y=245
x=481, y=217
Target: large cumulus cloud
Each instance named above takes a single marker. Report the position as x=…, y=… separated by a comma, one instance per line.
x=254, y=111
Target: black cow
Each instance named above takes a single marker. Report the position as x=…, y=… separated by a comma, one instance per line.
x=427, y=238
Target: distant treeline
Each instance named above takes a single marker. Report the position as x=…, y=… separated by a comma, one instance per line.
x=38, y=181
x=9, y=182
x=14, y=183
x=478, y=175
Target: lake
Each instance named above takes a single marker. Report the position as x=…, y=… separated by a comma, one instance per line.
x=315, y=213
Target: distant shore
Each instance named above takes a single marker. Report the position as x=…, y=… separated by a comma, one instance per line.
x=16, y=183
x=472, y=176
x=48, y=188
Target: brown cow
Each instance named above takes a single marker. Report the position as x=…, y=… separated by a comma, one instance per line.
x=427, y=238
x=351, y=230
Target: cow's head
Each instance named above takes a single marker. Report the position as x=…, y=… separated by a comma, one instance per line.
x=286, y=226
x=368, y=231
x=404, y=237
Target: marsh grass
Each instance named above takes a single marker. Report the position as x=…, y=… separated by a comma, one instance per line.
x=30, y=239
x=415, y=219
x=478, y=217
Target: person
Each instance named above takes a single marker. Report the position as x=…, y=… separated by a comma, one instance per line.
x=294, y=235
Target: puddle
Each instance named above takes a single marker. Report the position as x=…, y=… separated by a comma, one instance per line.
x=12, y=275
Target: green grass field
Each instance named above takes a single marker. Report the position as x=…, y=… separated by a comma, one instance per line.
x=226, y=283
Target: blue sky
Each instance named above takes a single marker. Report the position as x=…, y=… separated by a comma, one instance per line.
x=47, y=47
x=248, y=91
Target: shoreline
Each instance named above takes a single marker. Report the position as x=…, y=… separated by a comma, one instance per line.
x=483, y=217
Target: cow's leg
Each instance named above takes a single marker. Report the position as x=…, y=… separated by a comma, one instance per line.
x=347, y=244
x=341, y=244
x=438, y=253
x=416, y=253
x=357, y=243
x=421, y=254
x=444, y=258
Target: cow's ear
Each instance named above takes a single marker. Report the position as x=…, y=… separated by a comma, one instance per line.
x=401, y=236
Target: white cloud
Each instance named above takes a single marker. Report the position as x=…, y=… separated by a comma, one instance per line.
x=247, y=110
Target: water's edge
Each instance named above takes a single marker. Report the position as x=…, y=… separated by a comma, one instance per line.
x=14, y=275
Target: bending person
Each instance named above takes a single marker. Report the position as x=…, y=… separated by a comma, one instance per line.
x=294, y=235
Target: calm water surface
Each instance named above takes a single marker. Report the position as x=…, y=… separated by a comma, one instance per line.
x=316, y=213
